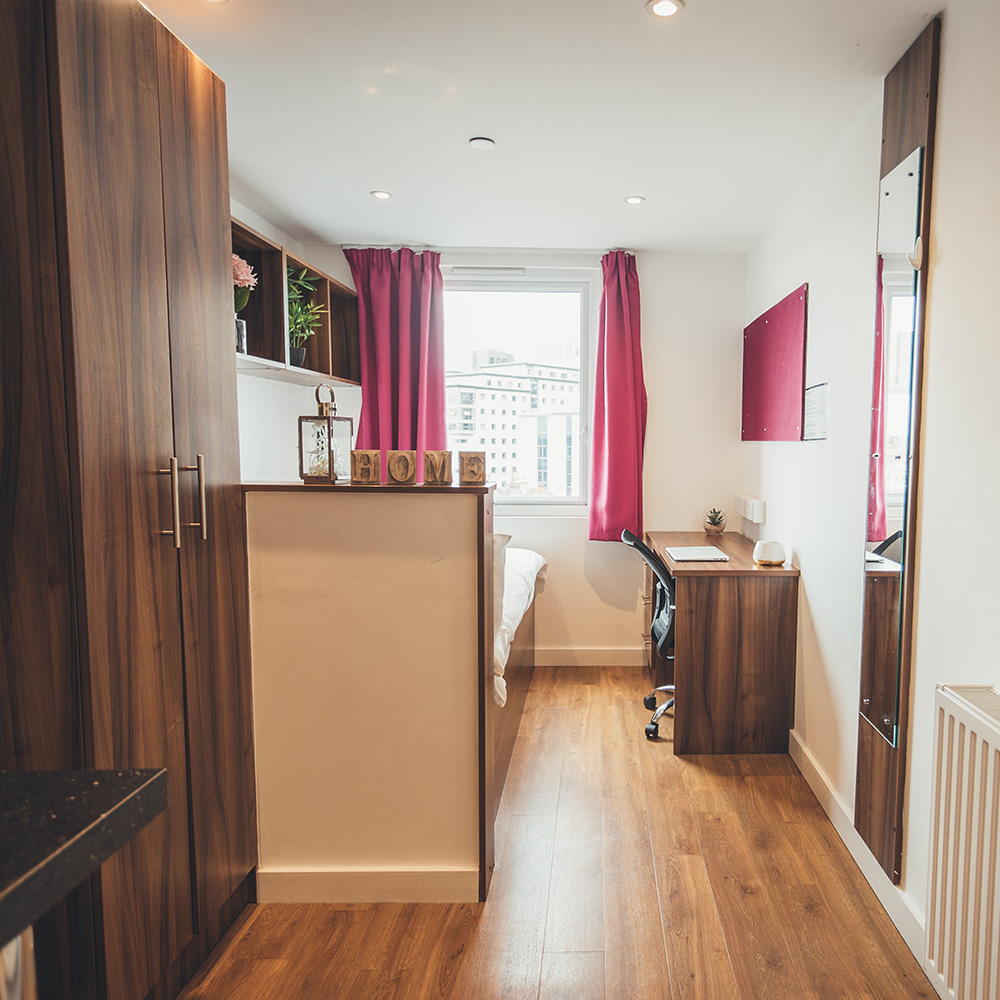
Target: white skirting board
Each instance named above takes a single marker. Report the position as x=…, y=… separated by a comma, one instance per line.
x=558, y=656
x=368, y=886
x=907, y=922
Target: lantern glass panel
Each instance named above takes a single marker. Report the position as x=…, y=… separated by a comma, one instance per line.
x=343, y=433
x=314, y=447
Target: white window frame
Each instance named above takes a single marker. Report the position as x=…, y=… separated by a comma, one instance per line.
x=495, y=274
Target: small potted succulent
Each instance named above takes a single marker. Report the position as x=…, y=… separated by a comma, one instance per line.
x=304, y=315
x=715, y=522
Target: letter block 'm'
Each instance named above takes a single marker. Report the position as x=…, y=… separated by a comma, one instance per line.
x=437, y=468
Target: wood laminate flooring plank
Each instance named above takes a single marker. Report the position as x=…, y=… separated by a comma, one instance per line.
x=575, y=917
x=510, y=964
x=635, y=963
x=572, y=976
x=761, y=959
x=532, y=787
x=697, y=956
x=623, y=873
x=582, y=693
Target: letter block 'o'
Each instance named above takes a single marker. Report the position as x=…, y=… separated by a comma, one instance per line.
x=402, y=467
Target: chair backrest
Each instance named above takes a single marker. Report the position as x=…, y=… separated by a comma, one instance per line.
x=891, y=548
x=663, y=613
x=653, y=560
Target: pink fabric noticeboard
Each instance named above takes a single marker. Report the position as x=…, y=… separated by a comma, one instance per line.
x=774, y=369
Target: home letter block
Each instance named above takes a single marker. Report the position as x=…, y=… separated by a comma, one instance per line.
x=472, y=468
x=366, y=468
x=402, y=467
x=437, y=468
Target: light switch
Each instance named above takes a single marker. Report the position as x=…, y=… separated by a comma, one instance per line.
x=750, y=507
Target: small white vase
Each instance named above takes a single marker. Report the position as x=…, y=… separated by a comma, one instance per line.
x=769, y=554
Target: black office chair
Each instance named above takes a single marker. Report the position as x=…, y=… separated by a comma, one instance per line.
x=891, y=548
x=661, y=629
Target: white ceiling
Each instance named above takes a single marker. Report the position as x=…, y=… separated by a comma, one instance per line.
x=714, y=116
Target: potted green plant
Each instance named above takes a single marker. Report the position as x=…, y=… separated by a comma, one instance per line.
x=715, y=522
x=304, y=315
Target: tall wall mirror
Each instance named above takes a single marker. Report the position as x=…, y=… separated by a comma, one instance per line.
x=890, y=450
x=889, y=554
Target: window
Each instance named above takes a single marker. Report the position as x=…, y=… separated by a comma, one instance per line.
x=898, y=305
x=525, y=336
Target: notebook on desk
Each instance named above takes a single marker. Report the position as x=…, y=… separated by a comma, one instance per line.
x=696, y=553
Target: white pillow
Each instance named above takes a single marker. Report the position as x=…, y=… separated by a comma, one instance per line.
x=499, y=565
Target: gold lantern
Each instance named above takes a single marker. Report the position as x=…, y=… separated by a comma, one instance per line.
x=325, y=442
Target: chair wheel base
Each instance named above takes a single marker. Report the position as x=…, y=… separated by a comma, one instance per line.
x=649, y=701
x=652, y=731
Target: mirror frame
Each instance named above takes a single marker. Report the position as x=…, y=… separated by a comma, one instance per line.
x=909, y=110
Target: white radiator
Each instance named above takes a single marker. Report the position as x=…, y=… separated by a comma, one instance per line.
x=963, y=914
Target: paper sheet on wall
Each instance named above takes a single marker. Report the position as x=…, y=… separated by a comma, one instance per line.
x=817, y=412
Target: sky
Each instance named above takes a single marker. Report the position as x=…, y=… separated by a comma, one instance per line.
x=529, y=324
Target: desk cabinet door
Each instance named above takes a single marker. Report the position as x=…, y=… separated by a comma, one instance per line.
x=734, y=663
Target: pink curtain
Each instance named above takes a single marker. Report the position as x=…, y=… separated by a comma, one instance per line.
x=619, y=405
x=876, y=461
x=401, y=327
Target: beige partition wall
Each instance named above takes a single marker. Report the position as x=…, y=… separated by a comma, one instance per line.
x=366, y=617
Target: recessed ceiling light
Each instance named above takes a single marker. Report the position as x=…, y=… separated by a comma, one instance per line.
x=216, y=1
x=664, y=8
x=380, y=195
x=634, y=199
x=481, y=142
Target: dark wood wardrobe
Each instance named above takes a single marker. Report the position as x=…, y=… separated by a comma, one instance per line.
x=123, y=589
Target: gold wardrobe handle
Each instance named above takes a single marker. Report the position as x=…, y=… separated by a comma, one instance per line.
x=202, y=500
x=175, y=502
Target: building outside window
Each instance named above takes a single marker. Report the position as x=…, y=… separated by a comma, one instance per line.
x=527, y=339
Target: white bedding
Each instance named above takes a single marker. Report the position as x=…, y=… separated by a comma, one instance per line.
x=521, y=570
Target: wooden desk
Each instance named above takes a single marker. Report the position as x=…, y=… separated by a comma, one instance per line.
x=734, y=647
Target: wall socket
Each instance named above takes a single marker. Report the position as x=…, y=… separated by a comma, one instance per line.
x=750, y=507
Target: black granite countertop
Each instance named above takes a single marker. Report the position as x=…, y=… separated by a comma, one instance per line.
x=56, y=827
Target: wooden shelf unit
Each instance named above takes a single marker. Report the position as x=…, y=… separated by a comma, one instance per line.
x=265, y=311
x=332, y=352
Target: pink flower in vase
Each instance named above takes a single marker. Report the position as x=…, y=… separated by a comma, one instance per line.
x=244, y=280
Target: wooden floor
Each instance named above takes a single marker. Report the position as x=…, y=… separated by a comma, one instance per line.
x=622, y=872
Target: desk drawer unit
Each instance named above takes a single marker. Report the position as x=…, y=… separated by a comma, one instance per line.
x=734, y=663
x=734, y=649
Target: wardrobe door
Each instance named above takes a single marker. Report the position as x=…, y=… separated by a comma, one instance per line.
x=113, y=266
x=213, y=560
x=38, y=718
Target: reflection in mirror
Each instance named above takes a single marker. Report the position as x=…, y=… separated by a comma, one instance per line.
x=889, y=458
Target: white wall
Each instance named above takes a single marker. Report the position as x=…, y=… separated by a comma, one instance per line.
x=815, y=491
x=958, y=590
x=269, y=424
x=589, y=609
